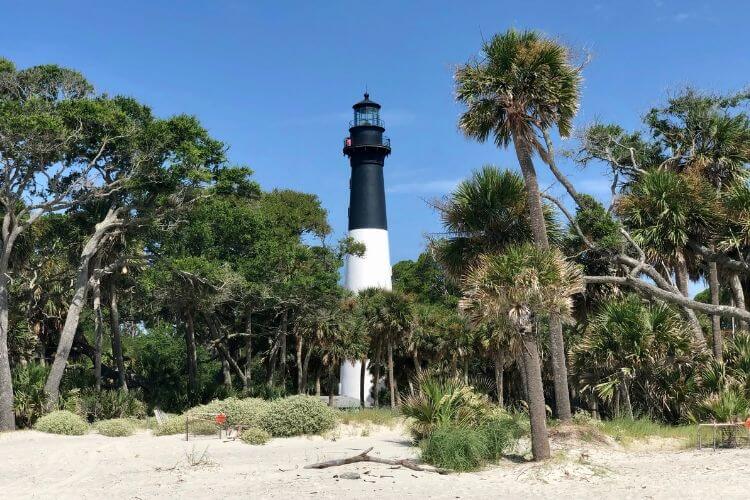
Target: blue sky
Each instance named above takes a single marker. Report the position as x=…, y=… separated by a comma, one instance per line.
x=276, y=80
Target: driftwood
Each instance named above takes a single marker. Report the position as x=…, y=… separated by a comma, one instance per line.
x=364, y=457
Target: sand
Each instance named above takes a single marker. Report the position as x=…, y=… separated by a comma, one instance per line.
x=36, y=465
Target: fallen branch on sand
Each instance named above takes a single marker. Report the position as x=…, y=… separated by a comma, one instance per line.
x=364, y=457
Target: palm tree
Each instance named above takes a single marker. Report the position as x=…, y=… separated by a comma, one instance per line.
x=485, y=214
x=520, y=285
x=628, y=348
x=523, y=86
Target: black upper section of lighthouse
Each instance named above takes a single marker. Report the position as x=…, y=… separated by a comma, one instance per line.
x=367, y=148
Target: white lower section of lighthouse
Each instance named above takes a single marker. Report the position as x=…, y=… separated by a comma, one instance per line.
x=371, y=270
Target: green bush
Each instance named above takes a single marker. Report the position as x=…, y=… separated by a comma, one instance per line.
x=456, y=448
x=255, y=436
x=176, y=425
x=501, y=431
x=116, y=427
x=297, y=415
x=29, y=397
x=62, y=422
x=238, y=411
x=441, y=402
x=110, y=404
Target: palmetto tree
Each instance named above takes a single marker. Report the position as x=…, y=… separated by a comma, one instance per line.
x=631, y=354
x=520, y=285
x=523, y=85
x=485, y=214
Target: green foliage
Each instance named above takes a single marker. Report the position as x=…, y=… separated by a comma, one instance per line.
x=110, y=404
x=62, y=422
x=255, y=436
x=28, y=393
x=501, y=432
x=238, y=411
x=117, y=427
x=160, y=364
x=456, y=447
x=441, y=402
x=729, y=405
x=297, y=415
x=176, y=425
x=375, y=416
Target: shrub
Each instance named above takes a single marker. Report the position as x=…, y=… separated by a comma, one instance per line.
x=255, y=436
x=456, y=447
x=176, y=425
x=442, y=402
x=110, y=404
x=501, y=431
x=297, y=415
x=62, y=422
x=729, y=405
x=29, y=397
x=238, y=411
x=116, y=427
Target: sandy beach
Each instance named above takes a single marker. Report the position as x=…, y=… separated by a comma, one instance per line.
x=36, y=465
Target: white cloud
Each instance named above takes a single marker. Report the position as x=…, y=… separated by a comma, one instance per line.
x=682, y=16
x=427, y=187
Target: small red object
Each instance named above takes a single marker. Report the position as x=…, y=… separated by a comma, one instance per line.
x=221, y=419
x=747, y=423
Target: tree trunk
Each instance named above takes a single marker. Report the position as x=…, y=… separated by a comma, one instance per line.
x=67, y=336
x=248, y=352
x=739, y=295
x=499, y=365
x=376, y=376
x=7, y=417
x=628, y=407
x=98, y=333
x=466, y=369
x=298, y=358
x=539, y=231
x=540, y=449
x=282, y=348
x=331, y=384
x=226, y=356
x=306, y=365
x=362, y=378
x=192, y=357
x=713, y=286
x=318, y=372
x=114, y=326
x=415, y=360
x=226, y=373
x=391, y=379
x=682, y=279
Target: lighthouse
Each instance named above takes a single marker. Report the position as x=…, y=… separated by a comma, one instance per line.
x=366, y=148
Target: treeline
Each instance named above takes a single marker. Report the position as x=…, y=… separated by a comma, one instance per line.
x=135, y=257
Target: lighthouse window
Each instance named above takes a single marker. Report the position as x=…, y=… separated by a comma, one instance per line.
x=367, y=115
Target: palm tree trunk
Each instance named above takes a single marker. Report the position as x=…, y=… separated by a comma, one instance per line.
x=306, y=366
x=713, y=286
x=318, y=372
x=466, y=369
x=626, y=400
x=98, y=333
x=331, y=384
x=114, y=326
x=192, y=357
x=499, y=365
x=362, y=378
x=417, y=364
x=537, y=411
x=376, y=377
x=391, y=380
x=738, y=293
x=539, y=232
